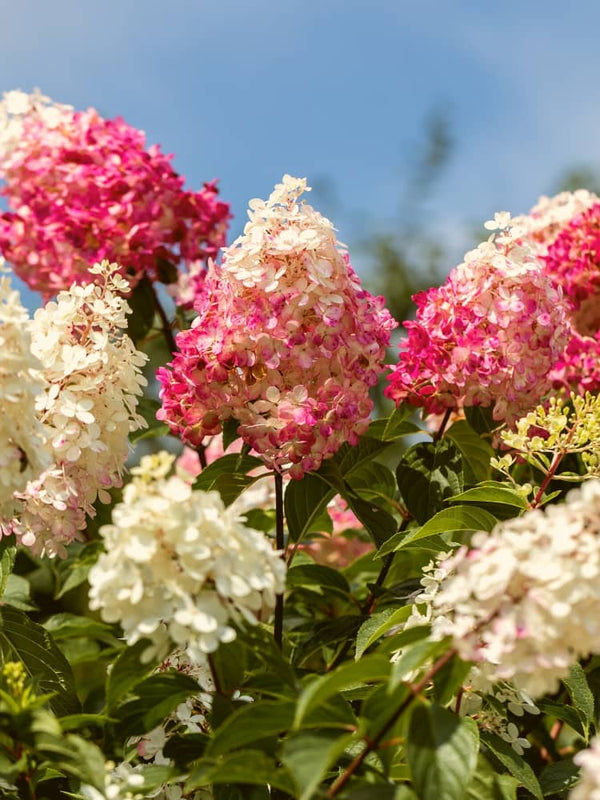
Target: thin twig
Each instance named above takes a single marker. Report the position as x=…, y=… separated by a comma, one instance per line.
x=373, y=744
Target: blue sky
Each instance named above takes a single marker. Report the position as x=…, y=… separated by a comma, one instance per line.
x=337, y=90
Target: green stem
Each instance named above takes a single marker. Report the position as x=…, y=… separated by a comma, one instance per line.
x=280, y=544
x=166, y=326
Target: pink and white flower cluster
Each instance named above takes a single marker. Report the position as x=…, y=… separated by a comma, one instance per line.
x=589, y=761
x=82, y=188
x=524, y=602
x=22, y=454
x=286, y=342
x=487, y=337
x=91, y=379
x=565, y=233
x=179, y=565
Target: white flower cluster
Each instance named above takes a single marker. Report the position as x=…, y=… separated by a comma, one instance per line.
x=589, y=761
x=92, y=379
x=17, y=106
x=22, y=455
x=179, y=565
x=546, y=219
x=279, y=229
x=126, y=782
x=524, y=602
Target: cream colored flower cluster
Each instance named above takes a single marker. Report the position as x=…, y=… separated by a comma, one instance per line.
x=563, y=425
x=524, y=602
x=92, y=378
x=549, y=216
x=17, y=106
x=179, y=566
x=22, y=455
x=589, y=761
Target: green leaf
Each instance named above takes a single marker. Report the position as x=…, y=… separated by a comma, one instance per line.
x=442, y=752
x=380, y=525
x=513, y=762
x=75, y=721
x=567, y=714
x=581, y=694
x=491, y=492
x=75, y=570
x=397, y=425
x=128, y=670
x=373, y=480
x=250, y=723
x=488, y=785
x=476, y=452
x=18, y=593
x=259, y=638
x=229, y=663
x=481, y=419
x=427, y=474
x=67, y=626
x=369, y=670
x=242, y=766
x=74, y=756
x=319, y=577
x=141, y=301
x=414, y=656
x=448, y=520
x=382, y=791
x=377, y=625
x=230, y=431
x=155, y=697
x=8, y=552
x=228, y=475
x=41, y=657
x=309, y=756
x=306, y=500
x=559, y=777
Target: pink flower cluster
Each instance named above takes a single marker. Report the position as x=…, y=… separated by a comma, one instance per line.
x=565, y=232
x=573, y=262
x=286, y=342
x=83, y=189
x=487, y=337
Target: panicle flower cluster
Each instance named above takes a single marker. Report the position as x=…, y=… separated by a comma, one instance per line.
x=524, y=602
x=285, y=342
x=589, y=761
x=550, y=215
x=563, y=425
x=572, y=260
x=92, y=379
x=82, y=189
x=564, y=232
x=22, y=454
x=487, y=337
x=179, y=565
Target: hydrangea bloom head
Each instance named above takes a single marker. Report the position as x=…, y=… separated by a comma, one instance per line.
x=524, y=602
x=82, y=189
x=22, y=453
x=179, y=565
x=91, y=380
x=573, y=261
x=487, y=337
x=589, y=761
x=286, y=342
x=540, y=227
